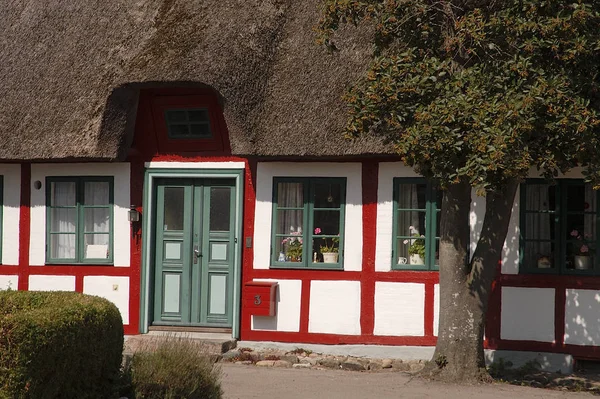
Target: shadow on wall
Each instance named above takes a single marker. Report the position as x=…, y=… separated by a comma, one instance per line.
x=582, y=319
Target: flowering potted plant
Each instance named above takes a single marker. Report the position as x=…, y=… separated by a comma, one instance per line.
x=329, y=252
x=293, y=247
x=581, y=250
x=416, y=250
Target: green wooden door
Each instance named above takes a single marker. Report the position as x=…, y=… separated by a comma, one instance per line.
x=193, y=261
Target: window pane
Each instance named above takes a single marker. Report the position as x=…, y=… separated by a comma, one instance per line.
x=411, y=223
x=62, y=220
x=402, y=245
x=437, y=252
x=290, y=195
x=96, y=219
x=289, y=222
x=63, y=193
x=540, y=197
x=178, y=130
x=540, y=226
x=96, y=246
x=200, y=130
x=327, y=222
x=580, y=198
x=289, y=249
x=96, y=193
x=325, y=244
x=176, y=116
x=438, y=194
x=62, y=246
x=198, y=115
x=173, y=208
x=412, y=196
x=219, y=208
x=327, y=195
x=539, y=255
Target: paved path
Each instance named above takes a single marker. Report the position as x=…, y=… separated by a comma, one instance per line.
x=245, y=382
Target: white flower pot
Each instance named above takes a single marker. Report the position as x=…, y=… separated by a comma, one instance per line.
x=415, y=259
x=582, y=262
x=330, y=257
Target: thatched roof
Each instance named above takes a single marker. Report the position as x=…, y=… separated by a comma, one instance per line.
x=70, y=73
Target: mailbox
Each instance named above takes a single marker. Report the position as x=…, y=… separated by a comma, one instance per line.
x=260, y=296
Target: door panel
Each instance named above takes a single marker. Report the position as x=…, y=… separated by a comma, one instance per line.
x=194, y=252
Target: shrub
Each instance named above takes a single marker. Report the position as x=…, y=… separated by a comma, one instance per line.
x=175, y=368
x=58, y=344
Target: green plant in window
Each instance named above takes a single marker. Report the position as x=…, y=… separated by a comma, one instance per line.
x=326, y=248
x=293, y=247
x=418, y=246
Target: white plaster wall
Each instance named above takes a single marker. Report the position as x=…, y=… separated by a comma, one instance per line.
x=122, y=199
x=11, y=213
x=115, y=289
x=385, y=211
x=51, y=283
x=582, y=317
x=399, y=309
x=436, y=309
x=334, y=307
x=353, y=229
x=527, y=314
x=9, y=282
x=287, y=311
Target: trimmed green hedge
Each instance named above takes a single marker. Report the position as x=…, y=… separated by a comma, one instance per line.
x=59, y=344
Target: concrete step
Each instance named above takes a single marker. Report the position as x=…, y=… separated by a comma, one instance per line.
x=215, y=344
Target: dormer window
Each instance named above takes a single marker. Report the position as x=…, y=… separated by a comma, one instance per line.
x=189, y=123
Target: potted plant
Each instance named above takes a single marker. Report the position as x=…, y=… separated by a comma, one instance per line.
x=330, y=252
x=416, y=250
x=293, y=247
x=581, y=250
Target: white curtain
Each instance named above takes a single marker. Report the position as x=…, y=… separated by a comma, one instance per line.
x=410, y=222
x=538, y=224
x=96, y=220
x=63, y=219
x=290, y=195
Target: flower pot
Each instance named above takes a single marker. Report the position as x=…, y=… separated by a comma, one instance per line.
x=330, y=257
x=415, y=259
x=582, y=262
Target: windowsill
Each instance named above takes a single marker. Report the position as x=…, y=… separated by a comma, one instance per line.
x=416, y=268
x=335, y=267
x=48, y=263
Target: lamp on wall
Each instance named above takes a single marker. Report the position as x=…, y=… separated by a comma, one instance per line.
x=133, y=215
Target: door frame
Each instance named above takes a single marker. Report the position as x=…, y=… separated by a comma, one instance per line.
x=192, y=170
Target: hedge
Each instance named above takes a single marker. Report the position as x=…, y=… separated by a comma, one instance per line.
x=59, y=344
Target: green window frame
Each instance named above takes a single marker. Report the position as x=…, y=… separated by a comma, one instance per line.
x=77, y=224
x=556, y=251
x=428, y=215
x=315, y=231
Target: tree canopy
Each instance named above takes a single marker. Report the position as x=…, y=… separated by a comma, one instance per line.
x=479, y=90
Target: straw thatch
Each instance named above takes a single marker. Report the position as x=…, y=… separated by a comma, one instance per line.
x=70, y=73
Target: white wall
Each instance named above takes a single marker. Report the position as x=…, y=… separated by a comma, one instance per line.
x=353, y=229
x=436, y=309
x=121, y=233
x=11, y=213
x=9, y=282
x=527, y=314
x=582, y=317
x=51, y=283
x=399, y=309
x=287, y=311
x=334, y=307
x=115, y=289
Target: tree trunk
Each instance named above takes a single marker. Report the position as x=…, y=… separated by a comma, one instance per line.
x=465, y=286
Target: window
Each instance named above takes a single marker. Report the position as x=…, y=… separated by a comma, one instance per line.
x=308, y=222
x=188, y=123
x=558, y=227
x=416, y=225
x=79, y=215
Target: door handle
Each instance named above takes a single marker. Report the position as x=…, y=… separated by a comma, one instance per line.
x=197, y=254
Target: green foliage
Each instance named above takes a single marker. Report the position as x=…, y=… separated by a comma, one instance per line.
x=418, y=246
x=176, y=368
x=59, y=344
x=476, y=90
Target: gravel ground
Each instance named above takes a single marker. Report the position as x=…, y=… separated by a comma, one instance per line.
x=245, y=382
